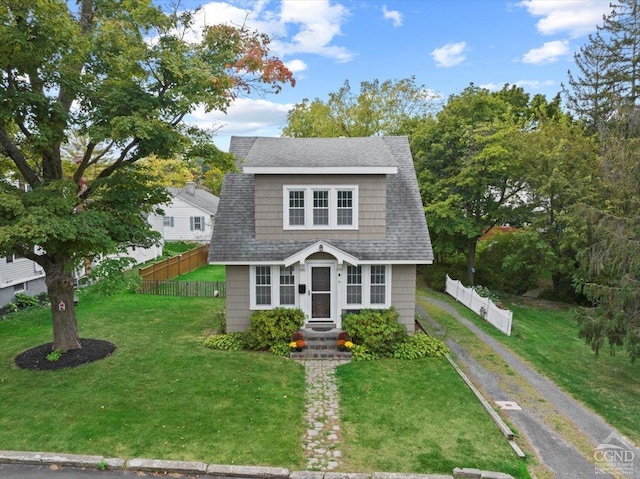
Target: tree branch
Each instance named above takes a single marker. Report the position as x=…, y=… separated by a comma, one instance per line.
x=18, y=159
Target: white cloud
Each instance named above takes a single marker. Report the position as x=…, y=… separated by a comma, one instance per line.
x=394, y=15
x=449, y=55
x=245, y=116
x=298, y=27
x=526, y=84
x=318, y=23
x=573, y=17
x=296, y=66
x=534, y=84
x=548, y=53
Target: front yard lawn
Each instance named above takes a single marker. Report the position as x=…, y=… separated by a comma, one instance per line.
x=163, y=395
x=419, y=417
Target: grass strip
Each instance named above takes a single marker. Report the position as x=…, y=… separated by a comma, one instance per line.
x=417, y=417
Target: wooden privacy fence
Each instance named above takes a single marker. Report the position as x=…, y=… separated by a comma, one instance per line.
x=207, y=289
x=484, y=307
x=177, y=265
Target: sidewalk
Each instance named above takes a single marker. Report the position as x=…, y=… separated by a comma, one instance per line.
x=544, y=406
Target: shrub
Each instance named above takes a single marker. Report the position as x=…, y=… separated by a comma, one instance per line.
x=377, y=330
x=281, y=349
x=225, y=342
x=220, y=321
x=361, y=353
x=420, y=345
x=112, y=277
x=26, y=301
x=270, y=327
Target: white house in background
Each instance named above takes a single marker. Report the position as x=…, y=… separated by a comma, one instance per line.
x=190, y=215
x=19, y=275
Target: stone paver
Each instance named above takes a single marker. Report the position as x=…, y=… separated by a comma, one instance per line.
x=321, y=441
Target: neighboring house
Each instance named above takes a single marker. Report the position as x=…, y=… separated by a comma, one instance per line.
x=19, y=275
x=190, y=215
x=328, y=225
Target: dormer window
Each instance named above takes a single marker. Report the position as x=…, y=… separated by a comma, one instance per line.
x=320, y=207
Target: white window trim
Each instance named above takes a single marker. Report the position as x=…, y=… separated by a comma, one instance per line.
x=308, y=207
x=366, y=289
x=275, y=289
x=201, y=219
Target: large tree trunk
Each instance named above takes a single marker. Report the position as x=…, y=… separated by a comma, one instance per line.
x=59, y=283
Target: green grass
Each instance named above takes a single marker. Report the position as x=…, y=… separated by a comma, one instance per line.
x=163, y=395
x=172, y=248
x=547, y=337
x=205, y=273
x=419, y=417
x=160, y=395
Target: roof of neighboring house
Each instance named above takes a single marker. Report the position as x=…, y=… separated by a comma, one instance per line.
x=407, y=237
x=197, y=197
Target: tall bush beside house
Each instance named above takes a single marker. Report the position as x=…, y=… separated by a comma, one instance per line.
x=273, y=326
x=377, y=330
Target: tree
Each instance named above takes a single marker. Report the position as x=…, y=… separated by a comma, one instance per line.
x=469, y=167
x=608, y=67
x=121, y=73
x=380, y=108
x=562, y=172
x=610, y=266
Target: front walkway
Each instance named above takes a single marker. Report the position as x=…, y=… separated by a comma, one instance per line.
x=321, y=441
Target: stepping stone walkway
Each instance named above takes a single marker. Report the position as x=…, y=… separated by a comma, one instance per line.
x=321, y=441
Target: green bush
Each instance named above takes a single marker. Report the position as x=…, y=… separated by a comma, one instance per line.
x=273, y=326
x=225, y=342
x=112, y=276
x=26, y=301
x=361, y=353
x=378, y=330
x=420, y=345
x=281, y=349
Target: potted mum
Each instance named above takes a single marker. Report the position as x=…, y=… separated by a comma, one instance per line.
x=297, y=343
x=344, y=342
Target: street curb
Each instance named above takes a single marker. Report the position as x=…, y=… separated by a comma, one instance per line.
x=216, y=470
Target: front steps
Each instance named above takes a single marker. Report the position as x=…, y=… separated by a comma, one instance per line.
x=321, y=345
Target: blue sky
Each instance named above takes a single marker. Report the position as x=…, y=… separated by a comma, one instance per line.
x=445, y=44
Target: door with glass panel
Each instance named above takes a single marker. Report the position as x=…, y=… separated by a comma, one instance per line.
x=320, y=292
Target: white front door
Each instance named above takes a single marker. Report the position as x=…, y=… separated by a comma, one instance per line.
x=321, y=281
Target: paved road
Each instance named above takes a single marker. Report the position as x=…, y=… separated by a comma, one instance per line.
x=546, y=410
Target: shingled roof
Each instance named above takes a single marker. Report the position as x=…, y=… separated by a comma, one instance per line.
x=198, y=197
x=407, y=237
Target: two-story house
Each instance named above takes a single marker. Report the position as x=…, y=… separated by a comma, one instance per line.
x=328, y=225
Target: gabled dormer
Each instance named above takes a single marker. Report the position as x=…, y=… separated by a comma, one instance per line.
x=333, y=187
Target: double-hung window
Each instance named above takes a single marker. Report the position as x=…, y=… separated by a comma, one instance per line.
x=320, y=207
x=273, y=286
x=368, y=286
x=354, y=284
x=168, y=221
x=296, y=208
x=263, y=285
x=287, y=286
x=197, y=223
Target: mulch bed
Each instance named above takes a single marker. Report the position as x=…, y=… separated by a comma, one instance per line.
x=92, y=350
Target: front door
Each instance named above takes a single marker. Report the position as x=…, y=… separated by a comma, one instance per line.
x=321, y=293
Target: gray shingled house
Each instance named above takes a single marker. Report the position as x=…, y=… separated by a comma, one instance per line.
x=324, y=224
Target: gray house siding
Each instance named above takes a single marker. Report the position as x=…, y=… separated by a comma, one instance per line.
x=20, y=272
x=403, y=294
x=372, y=207
x=237, y=278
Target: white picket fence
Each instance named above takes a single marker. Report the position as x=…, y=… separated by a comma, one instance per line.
x=484, y=307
